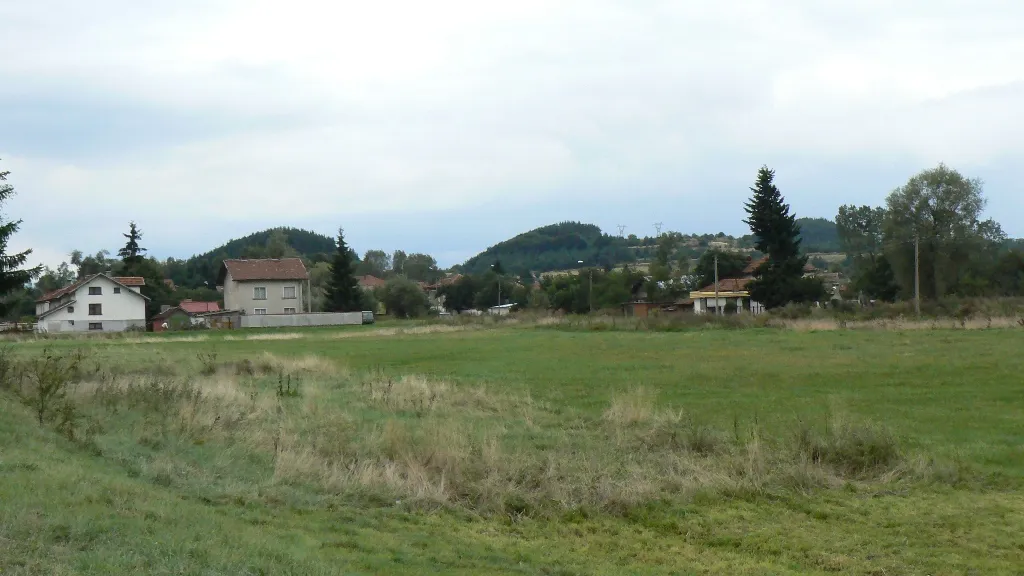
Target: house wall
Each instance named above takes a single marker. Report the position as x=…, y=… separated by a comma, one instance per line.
x=119, y=311
x=239, y=295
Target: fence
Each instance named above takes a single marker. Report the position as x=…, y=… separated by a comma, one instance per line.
x=290, y=320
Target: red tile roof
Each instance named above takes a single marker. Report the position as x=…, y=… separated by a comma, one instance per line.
x=729, y=285
x=122, y=280
x=56, y=294
x=268, y=269
x=754, y=265
x=199, y=307
x=370, y=282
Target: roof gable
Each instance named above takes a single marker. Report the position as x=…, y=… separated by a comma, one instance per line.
x=57, y=294
x=265, y=269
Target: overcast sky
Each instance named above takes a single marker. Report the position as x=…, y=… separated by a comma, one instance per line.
x=447, y=126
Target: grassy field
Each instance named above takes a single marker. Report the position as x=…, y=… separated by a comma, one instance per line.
x=518, y=449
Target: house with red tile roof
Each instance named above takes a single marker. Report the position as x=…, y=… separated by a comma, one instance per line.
x=369, y=282
x=264, y=286
x=186, y=313
x=95, y=303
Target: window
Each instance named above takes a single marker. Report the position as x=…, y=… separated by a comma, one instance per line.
x=289, y=310
x=259, y=311
x=71, y=309
x=289, y=293
x=259, y=293
x=95, y=290
x=117, y=289
x=95, y=309
x=95, y=325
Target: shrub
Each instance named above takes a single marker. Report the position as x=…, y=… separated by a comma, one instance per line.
x=852, y=449
x=49, y=377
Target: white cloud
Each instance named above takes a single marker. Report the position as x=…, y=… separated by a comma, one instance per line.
x=389, y=108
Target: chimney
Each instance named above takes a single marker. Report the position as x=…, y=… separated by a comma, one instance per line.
x=108, y=272
x=187, y=300
x=164, y=308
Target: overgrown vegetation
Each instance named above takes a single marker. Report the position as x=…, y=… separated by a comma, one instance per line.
x=629, y=438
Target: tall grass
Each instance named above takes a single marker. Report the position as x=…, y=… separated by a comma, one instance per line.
x=431, y=443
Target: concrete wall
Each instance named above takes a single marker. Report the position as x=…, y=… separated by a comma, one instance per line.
x=286, y=320
x=239, y=295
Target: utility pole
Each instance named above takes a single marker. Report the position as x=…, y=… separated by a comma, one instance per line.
x=718, y=308
x=917, y=274
x=622, y=230
x=657, y=227
x=590, y=297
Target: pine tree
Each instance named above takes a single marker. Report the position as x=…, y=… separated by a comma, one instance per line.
x=11, y=277
x=132, y=253
x=343, y=291
x=777, y=235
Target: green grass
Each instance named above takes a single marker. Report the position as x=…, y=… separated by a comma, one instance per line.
x=526, y=451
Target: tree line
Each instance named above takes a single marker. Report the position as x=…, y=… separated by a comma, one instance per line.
x=929, y=235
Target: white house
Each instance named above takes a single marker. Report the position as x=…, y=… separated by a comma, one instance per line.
x=730, y=293
x=96, y=303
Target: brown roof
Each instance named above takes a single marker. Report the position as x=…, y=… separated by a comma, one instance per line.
x=199, y=307
x=370, y=281
x=126, y=281
x=729, y=285
x=754, y=265
x=267, y=269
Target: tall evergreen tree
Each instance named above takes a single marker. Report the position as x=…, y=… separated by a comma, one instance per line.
x=778, y=280
x=132, y=253
x=343, y=293
x=11, y=276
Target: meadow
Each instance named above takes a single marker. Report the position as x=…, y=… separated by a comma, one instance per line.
x=526, y=448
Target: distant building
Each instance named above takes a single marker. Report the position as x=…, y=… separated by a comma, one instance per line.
x=96, y=303
x=267, y=286
x=370, y=282
x=729, y=294
x=185, y=314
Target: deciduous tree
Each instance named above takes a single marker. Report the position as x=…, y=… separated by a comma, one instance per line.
x=943, y=210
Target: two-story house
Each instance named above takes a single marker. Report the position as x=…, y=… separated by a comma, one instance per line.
x=270, y=286
x=96, y=303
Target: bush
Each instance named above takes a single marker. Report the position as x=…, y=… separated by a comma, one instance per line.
x=404, y=298
x=856, y=450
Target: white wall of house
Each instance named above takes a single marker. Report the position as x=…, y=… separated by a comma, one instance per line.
x=245, y=295
x=708, y=305
x=118, y=308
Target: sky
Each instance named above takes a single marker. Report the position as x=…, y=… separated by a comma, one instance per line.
x=445, y=127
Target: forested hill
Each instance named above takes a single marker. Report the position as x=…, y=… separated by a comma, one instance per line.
x=271, y=243
x=555, y=247
x=818, y=234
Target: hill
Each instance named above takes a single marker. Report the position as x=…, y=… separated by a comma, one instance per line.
x=819, y=235
x=270, y=243
x=554, y=247
x=561, y=246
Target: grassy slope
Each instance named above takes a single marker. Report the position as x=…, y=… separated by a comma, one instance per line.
x=66, y=510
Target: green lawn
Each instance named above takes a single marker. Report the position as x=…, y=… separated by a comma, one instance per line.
x=523, y=450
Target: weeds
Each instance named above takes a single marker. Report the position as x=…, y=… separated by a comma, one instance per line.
x=463, y=447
